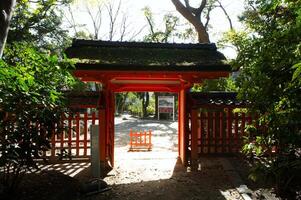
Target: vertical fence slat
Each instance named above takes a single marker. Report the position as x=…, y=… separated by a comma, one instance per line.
x=52, y=153
x=194, y=135
x=69, y=133
x=214, y=130
x=236, y=132
x=221, y=128
x=229, y=129
x=62, y=133
x=242, y=128
x=201, y=132
x=77, y=133
x=208, y=133
x=85, y=133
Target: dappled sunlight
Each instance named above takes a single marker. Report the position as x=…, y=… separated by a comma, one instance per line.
x=69, y=169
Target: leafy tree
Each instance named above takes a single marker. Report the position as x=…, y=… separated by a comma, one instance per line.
x=31, y=102
x=269, y=56
x=39, y=23
x=222, y=84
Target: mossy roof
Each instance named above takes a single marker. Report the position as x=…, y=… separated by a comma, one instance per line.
x=108, y=55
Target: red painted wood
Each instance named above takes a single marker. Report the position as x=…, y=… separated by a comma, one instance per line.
x=182, y=122
x=69, y=132
x=242, y=128
x=214, y=131
x=179, y=126
x=52, y=153
x=141, y=139
x=208, y=135
x=194, y=135
x=201, y=133
x=221, y=130
x=236, y=148
x=62, y=133
x=77, y=133
x=85, y=133
x=229, y=130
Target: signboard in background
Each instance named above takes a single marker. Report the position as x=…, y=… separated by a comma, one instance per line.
x=166, y=104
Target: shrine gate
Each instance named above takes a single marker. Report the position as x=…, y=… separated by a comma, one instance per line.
x=139, y=67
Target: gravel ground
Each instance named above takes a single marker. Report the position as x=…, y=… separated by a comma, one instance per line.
x=156, y=174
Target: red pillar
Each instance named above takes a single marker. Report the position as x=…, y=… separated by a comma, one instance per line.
x=182, y=125
x=102, y=120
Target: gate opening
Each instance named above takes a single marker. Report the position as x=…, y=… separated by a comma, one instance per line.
x=143, y=164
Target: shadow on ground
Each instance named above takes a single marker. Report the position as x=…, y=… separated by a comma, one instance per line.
x=209, y=183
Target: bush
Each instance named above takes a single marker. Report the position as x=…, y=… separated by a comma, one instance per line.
x=31, y=102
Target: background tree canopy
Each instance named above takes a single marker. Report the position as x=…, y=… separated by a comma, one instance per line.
x=39, y=23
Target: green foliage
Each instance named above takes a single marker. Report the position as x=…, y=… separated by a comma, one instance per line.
x=269, y=56
x=31, y=102
x=221, y=84
x=39, y=23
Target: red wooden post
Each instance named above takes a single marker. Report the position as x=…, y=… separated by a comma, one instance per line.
x=179, y=125
x=236, y=132
x=69, y=132
x=53, y=141
x=77, y=133
x=150, y=139
x=214, y=130
x=242, y=128
x=229, y=130
x=201, y=132
x=62, y=138
x=144, y=137
x=85, y=133
x=208, y=135
x=221, y=130
x=194, y=135
x=140, y=137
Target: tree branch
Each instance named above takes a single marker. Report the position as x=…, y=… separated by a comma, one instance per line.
x=203, y=36
x=6, y=11
x=227, y=15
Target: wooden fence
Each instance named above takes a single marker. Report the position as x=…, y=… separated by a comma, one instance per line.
x=140, y=140
x=217, y=132
x=73, y=137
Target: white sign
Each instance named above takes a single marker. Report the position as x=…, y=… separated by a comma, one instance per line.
x=166, y=105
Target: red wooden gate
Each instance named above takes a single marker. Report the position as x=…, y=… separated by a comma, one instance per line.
x=218, y=131
x=72, y=139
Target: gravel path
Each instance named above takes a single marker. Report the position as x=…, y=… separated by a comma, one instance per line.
x=158, y=174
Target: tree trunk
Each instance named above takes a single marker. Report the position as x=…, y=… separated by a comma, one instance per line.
x=194, y=19
x=145, y=103
x=6, y=11
x=156, y=105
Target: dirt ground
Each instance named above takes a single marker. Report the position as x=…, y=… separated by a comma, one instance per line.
x=156, y=174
